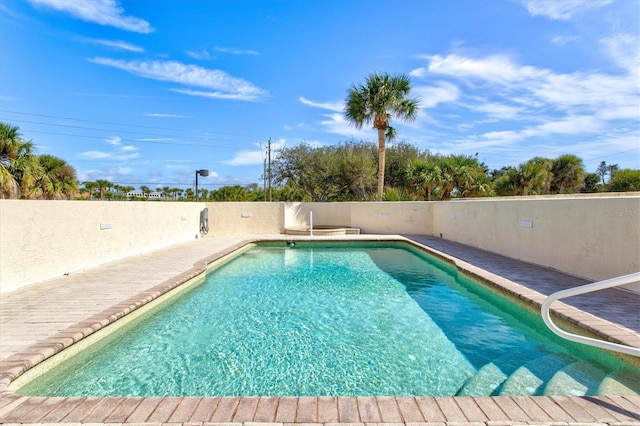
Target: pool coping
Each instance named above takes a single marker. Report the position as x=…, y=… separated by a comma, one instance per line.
x=283, y=410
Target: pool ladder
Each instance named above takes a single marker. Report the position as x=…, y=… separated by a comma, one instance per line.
x=588, y=288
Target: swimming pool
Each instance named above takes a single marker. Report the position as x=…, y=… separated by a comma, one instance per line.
x=360, y=319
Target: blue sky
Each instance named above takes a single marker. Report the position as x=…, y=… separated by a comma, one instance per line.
x=144, y=92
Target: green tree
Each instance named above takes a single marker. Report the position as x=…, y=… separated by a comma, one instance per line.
x=625, y=180
x=354, y=178
x=568, y=174
x=398, y=157
x=425, y=175
x=305, y=168
x=530, y=176
x=505, y=184
x=57, y=179
x=145, y=191
x=19, y=167
x=605, y=170
x=90, y=188
x=103, y=186
x=381, y=98
x=591, y=182
x=176, y=193
x=463, y=176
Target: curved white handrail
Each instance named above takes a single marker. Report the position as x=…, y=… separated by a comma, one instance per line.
x=613, y=282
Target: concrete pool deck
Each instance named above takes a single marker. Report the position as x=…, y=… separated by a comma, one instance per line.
x=43, y=319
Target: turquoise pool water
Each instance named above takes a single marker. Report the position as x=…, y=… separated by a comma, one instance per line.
x=337, y=320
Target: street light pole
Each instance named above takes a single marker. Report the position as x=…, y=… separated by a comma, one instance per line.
x=203, y=173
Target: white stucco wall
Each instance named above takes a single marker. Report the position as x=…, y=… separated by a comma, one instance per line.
x=238, y=218
x=335, y=214
x=393, y=217
x=591, y=237
x=594, y=237
x=370, y=217
x=40, y=240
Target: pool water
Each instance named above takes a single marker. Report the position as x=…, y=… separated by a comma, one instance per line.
x=322, y=320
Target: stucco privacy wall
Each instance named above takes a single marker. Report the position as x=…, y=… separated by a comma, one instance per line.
x=40, y=240
x=591, y=237
x=238, y=218
x=370, y=217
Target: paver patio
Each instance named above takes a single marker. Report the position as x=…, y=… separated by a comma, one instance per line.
x=43, y=319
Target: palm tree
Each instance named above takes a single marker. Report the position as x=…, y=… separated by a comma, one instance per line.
x=176, y=193
x=18, y=165
x=145, y=191
x=58, y=179
x=189, y=194
x=103, y=186
x=425, y=174
x=382, y=97
x=90, y=187
x=531, y=176
x=568, y=174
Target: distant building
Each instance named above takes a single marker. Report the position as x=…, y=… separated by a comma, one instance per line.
x=140, y=194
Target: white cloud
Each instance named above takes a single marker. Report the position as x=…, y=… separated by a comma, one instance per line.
x=99, y=155
x=431, y=96
x=115, y=140
x=338, y=124
x=102, y=12
x=562, y=40
x=337, y=106
x=496, y=68
x=499, y=111
x=246, y=158
x=561, y=9
x=198, y=55
x=418, y=72
x=116, y=44
x=94, y=155
x=217, y=95
x=256, y=156
x=129, y=148
x=232, y=51
x=222, y=84
x=624, y=49
x=164, y=115
x=580, y=91
x=571, y=125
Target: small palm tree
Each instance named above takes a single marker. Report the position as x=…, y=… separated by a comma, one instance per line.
x=382, y=97
x=58, y=179
x=568, y=174
x=103, y=186
x=18, y=164
x=425, y=174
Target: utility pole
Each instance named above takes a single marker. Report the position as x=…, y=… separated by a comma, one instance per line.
x=264, y=174
x=269, y=166
x=264, y=178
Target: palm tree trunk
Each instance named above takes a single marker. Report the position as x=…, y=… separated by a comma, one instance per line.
x=381, y=162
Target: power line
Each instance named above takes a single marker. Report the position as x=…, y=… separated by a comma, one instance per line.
x=182, y=131
x=105, y=130
x=128, y=140
x=88, y=121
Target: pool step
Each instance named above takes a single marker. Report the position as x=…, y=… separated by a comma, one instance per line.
x=530, y=378
x=484, y=382
x=489, y=379
x=624, y=382
x=576, y=379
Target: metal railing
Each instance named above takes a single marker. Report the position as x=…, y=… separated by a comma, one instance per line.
x=588, y=288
